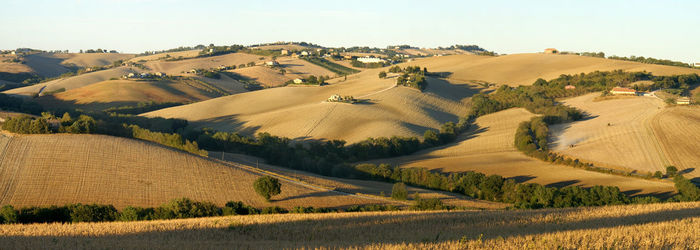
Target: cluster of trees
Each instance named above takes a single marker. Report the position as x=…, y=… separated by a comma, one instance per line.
x=22, y=77
x=312, y=80
x=522, y=195
x=47, y=124
x=173, y=140
x=651, y=60
x=142, y=107
x=412, y=76
x=98, y=51
x=674, y=83
x=333, y=67
x=17, y=104
x=267, y=187
x=358, y=64
x=212, y=50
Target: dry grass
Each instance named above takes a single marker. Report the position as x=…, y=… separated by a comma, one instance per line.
x=92, y=59
x=524, y=69
x=677, y=128
x=489, y=149
x=159, y=56
x=116, y=93
x=619, y=134
x=72, y=82
x=657, y=226
x=40, y=170
x=302, y=113
x=177, y=67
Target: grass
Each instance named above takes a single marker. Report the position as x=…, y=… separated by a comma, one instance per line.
x=669, y=226
x=334, y=67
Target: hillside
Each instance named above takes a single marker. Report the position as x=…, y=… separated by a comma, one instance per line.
x=116, y=93
x=677, y=128
x=301, y=112
x=161, y=56
x=524, y=69
x=180, y=66
x=619, y=134
x=40, y=170
x=72, y=82
x=93, y=59
x=294, y=68
x=654, y=226
x=489, y=149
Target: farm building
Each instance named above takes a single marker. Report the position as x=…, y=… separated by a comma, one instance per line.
x=683, y=101
x=272, y=63
x=304, y=53
x=284, y=52
x=298, y=81
x=568, y=87
x=623, y=91
x=371, y=60
x=551, y=51
x=335, y=98
x=160, y=74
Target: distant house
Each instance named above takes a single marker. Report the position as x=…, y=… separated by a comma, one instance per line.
x=623, y=91
x=193, y=71
x=131, y=75
x=304, y=53
x=683, y=101
x=160, y=74
x=284, y=52
x=211, y=50
x=298, y=81
x=551, y=51
x=145, y=75
x=272, y=63
x=371, y=60
x=568, y=87
x=335, y=98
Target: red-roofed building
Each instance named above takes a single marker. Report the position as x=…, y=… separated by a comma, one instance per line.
x=568, y=87
x=623, y=91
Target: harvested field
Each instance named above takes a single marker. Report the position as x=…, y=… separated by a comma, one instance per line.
x=524, y=69
x=92, y=59
x=72, y=82
x=302, y=113
x=653, y=226
x=161, y=56
x=267, y=76
x=178, y=67
x=677, y=129
x=41, y=170
x=618, y=134
x=489, y=149
x=116, y=93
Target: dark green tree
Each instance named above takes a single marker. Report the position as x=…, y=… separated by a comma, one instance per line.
x=267, y=187
x=398, y=191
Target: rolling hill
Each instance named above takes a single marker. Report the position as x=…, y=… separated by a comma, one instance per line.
x=180, y=66
x=72, y=82
x=301, y=112
x=42, y=170
x=524, y=69
x=116, y=93
x=489, y=149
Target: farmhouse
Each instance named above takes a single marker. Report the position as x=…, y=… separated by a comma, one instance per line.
x=284, y=52
x=683, y=101
x=623, y=91
x=272, y=63
x=304, y=53
x=160, y=74
x=371, y=60
x=569, y=87
x=551, y=51
x=298, y=81
x=335, y=98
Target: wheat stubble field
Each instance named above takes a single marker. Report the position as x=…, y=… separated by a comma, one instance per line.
x=652, y=226
x=42, y=170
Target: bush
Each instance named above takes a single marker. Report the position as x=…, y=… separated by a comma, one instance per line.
x=382, y=74
x=267, y=187
x=428, y=204
x=186, y=208
x=92, y=213
x=274, y=210
x=398, y=191
x=238, y=208
x=671, y=171
x=8, y=215
x=136, y=213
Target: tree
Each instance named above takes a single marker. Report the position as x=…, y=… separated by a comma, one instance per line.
x=267, y=187
x=8, y=214
x=658, y=174
x=671, y=171
x=398, y=191
x=382, y=74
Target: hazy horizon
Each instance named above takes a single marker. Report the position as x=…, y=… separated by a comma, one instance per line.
x=662, y=30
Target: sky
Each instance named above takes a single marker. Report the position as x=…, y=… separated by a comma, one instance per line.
x=660, y=29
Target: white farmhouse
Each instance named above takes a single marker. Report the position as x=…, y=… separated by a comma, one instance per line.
x=371, y=60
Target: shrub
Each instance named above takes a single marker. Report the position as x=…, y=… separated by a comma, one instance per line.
x=267, y=187
x=92, y=213
x=238, y=208
x=398, y=191
x=671, y=171
x=274, y=210
x=382, y=74
x=136, y=213
x=658, y=174
x=8, y=214
x=427, y=204
x=186, y=208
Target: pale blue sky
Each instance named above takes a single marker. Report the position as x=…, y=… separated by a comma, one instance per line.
x=663, y=29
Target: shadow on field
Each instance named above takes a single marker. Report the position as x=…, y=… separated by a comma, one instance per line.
x=365, y=228
x=561, y=184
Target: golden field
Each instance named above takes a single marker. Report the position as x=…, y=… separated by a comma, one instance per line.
x=654, y=226
x=488, y=148
x=72, y=82
x=524, y=69
x=42, y=170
